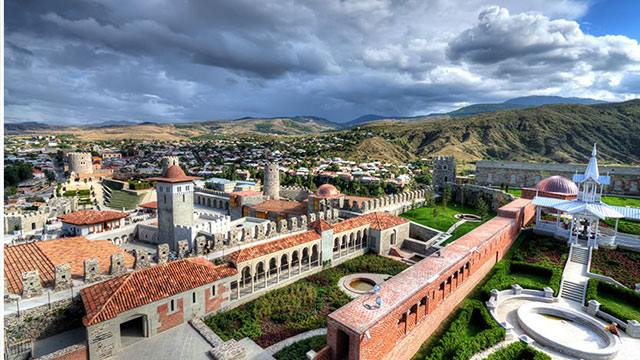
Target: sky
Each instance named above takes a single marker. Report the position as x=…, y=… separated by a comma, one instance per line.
x=193, y=60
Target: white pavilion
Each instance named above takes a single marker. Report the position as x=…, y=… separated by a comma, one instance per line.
x=578, y=220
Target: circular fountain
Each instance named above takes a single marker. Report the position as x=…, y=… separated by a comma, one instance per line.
x=468, y=217
x=567, y=330
x=360, y=284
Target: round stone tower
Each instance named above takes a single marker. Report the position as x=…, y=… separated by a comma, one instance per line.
x=167, y=162
x=271, y=186
x=80, y=162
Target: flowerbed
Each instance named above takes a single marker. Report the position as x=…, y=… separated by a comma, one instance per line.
x=298, y=351
x=622, y=265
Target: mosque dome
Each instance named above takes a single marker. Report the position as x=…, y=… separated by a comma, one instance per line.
x=327, y=190
x=557, y=184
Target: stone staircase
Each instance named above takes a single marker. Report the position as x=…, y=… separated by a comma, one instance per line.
x=573, y=291
x=579, y=254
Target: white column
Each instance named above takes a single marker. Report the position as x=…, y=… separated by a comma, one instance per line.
x=571, y=229
x=557, y=220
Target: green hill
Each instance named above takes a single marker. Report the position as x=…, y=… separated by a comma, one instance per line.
x=560, y=133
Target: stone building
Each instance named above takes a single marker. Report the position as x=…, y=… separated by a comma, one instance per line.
x=168, y=161
x=152, y=300
x=624, y=179
x=271, y=184
x=444, y=171
x=80, y=163
x=86, y=222
x=174, y=206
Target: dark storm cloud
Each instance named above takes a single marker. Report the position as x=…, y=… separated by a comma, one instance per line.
x=167, y=60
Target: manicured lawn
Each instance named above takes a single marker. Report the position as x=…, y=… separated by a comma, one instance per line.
x=122, y=199
x=298, y=351
x=621, y=302
x=296, y=308
x=622, y=265
x=445, y=218
x=461, y=230
x=534, y=262
x=515, y=192
x=621, y=201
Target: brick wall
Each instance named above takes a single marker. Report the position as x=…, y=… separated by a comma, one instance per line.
x=169, y=320
x=401, y=332
x=215, y=303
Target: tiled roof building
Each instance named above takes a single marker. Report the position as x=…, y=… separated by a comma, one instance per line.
x=107, y=299
x=90, y=217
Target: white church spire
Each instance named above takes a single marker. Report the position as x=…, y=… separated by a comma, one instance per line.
x=592, y=168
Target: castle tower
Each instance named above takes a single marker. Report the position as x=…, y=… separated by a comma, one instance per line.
x=271, y=186
x=80, y=162
x=167, y=162
x=175, y=206
x=444, y=171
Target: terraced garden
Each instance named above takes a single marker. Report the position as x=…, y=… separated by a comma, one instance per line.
x=122, y=199
x=296, y=308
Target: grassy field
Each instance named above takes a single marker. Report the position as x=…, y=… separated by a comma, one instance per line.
x=122, y=199
x=296, y=308
x=621, y=201
x=445, y=218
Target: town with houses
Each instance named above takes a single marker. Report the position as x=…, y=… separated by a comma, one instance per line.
x=116, y=250
x=320, y=180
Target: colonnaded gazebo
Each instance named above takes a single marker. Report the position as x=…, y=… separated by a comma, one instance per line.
x=578, y=220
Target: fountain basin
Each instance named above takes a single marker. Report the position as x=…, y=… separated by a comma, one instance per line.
x=568, y=331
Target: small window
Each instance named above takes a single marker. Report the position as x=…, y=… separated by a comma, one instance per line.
x=213, y=291
x=179, y=188
x=172, y=305
x=187, y=189
x=183, y=198
x=193, y=297
x=165, y=198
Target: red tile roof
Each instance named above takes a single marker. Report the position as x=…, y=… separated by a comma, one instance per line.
x=174, y=174
x=90, y=217
x=75, y=250
x=105, y=300
x=282, y=207
x=22, y=258
x=246, y=193
x=257, y=251
x=376, y=220
x=44, y=255
x=320, y=226
x=149, y=205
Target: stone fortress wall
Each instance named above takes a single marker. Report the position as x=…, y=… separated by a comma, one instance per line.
x=444, y=171
x=35, y=220
x=468, y=193
x=624, y=179
x=80, y=162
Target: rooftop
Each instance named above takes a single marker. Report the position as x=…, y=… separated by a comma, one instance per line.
x=282, y=207
x=44, y=255
x=107, y=299
x=257, y=251
x=174, y=174
x=376, y=220
x=89, y=217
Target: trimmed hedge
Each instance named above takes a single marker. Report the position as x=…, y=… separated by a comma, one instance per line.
x=502, y=277
x=596, y=288
x=457, y=343
x=298, y=350
x=518, y=351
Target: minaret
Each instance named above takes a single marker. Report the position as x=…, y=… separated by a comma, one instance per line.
x=271, y=184
x=590, y=182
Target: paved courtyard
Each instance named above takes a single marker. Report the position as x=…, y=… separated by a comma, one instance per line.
x=181, y=342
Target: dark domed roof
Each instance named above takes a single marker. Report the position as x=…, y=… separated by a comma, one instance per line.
x=557, y=184
x=327, y=190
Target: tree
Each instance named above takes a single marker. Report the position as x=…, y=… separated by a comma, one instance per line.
x=482, y=207
x=51, y=176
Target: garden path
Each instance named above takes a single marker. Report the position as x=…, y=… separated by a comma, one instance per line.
x=455, y=226
x=574, y=276
x=294, y=339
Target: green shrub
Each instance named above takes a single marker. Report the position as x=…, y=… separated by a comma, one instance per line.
x=70, y=193
x=298, y=351
x=85, y=192
x=472, y=330
x=518, y=351
x=621, y=302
